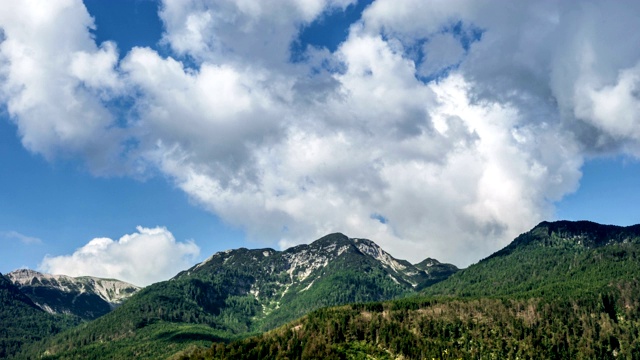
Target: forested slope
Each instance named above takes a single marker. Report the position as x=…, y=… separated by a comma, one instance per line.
x=564, y=290
x=597, y=326
x=22, y=322
x=241, y=292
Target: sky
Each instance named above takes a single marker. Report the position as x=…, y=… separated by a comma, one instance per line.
x=138, y=137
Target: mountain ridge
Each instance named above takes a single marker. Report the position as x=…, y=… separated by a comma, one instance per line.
x=581, y=271
x=242, y=291
x=85, y=296
x=273, y=277
x=576, y=234
x=22, y=321
x=575, y=254
x=562, y=290
x=333, y=244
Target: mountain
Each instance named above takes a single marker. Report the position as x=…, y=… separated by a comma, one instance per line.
x=554, y=257
x=435, y=271
x=238, y=292
x=22, y=321
x=87, y=297
x=332, y=270
x=573, y=235
x=447, y=328
x=563, y=290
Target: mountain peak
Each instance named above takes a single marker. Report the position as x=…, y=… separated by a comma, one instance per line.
x=330, y=239
x=428, y=262
x=88, y=297
x=337, y=236
x=573, y=234
x=13, y=292
x=584, y=233
x=331, y=270
x=246, y=290
x=577, y=227
x=29, y=277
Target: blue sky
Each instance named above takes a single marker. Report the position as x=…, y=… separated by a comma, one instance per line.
x=190, y=133
x=607, y=193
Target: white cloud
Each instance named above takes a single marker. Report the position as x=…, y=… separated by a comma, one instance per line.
x=291, y=151
x=25, y=239
x=612, y=108
x=97, y=69
x=236, y=31
x=141, y=258
x=45, y=55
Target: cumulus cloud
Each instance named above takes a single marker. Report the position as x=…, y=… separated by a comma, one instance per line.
x=437, y=128
x=234, y=31
x=141, y=258
x=25, y=239
x=46, y=83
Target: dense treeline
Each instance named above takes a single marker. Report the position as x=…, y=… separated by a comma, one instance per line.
x=602, y=326
x=216, y=305
x=156, y=341
x=545, y=271
x=344, y=287
x=158, y=319
x=563, y=290
x=193, y=312
x=22, y=322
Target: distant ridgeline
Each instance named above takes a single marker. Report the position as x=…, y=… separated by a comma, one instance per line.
x=564, y=290
x=236, y=293
x=23, y=322
x=86, y=297
x=553, y=259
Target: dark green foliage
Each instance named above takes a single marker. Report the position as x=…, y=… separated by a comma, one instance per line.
x=553, y=259
x=592, y=326
x=573, y=235
x=241, y=292
x=22, y=322
x=154, y=341
x=561, y=291
x=87, y=306
x=340, y=288
x=161, y=319
x=436, y=271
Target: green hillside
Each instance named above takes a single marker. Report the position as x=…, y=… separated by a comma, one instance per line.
x=553, y=259
x=564, y=290
x=597, y=326
x=22, y=322
x=241, y=292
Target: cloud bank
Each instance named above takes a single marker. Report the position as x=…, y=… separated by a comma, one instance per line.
x=436, y=128
x=141, y=258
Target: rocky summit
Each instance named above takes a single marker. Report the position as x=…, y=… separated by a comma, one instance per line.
x=239, y=292
x=87, y=297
